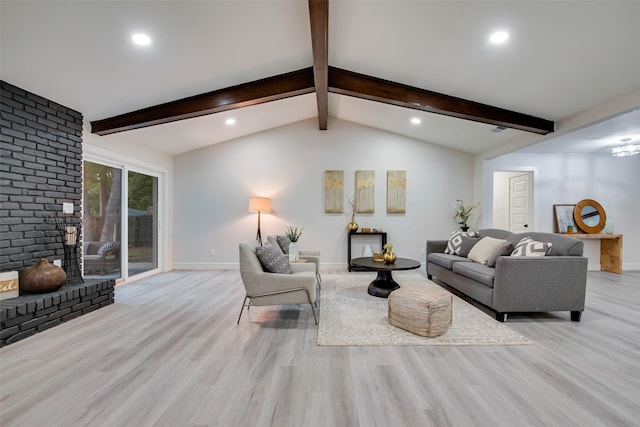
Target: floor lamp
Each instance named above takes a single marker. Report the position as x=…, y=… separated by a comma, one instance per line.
x=259, y=204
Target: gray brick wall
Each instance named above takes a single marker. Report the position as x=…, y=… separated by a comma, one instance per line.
x=41, y=167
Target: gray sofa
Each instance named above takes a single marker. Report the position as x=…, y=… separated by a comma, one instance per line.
x=556, y=282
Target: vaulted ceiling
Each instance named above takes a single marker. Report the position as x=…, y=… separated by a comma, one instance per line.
x=378, y=63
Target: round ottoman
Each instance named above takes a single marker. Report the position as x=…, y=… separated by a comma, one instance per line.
x=423, y=310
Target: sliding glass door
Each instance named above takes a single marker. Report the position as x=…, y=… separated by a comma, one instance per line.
x=120, y=234
x=102, y=225
x=142, y=221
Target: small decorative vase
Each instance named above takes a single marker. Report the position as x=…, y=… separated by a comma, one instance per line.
x=464, y=227
x=389, y=257
x=608, y=226
x=352, y=226
x=42, y=277
x=294, y=252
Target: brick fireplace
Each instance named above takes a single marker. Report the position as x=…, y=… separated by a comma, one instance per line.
x=41, y=168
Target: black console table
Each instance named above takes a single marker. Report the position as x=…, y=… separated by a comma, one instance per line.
x=383, y=241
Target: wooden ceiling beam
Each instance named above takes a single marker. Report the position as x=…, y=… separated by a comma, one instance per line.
x=319, y=17
x=374, y=89
x=256, y=92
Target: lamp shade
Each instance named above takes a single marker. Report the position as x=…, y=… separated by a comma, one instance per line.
x=259, y=204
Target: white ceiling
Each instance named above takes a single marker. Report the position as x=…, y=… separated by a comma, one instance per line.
x=563, y=57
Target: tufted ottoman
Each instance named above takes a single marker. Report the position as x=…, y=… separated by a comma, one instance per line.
x=425, y=311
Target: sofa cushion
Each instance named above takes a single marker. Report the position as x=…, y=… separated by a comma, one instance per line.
x=529, y=247
x=445, y=260
x=488, y=249
x=272, y=260
x=455, y=241
x=467, y=244
x=475, y=271
x=284, y=243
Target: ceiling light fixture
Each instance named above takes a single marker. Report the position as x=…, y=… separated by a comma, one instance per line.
x=625, y=150
x=499, y=37
x=141, y=39
x=416, y=121
x=230, y=122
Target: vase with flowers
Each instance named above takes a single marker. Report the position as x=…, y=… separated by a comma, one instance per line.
x=352, y=227
x=293, y=234
x=462, y=213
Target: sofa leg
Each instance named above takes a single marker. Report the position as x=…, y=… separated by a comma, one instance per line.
x=575, y=316
x=501, y=317
x=429, y=276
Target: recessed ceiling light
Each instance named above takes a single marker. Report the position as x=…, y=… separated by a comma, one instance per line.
x=499, y=37
x=416, y=121
x=230, y=122
x=141, y=39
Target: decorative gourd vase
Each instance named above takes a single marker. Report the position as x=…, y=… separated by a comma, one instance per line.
x=352, y=226
x=294, y=252
x=389, y=257
x=42, y=277
x=608, y=226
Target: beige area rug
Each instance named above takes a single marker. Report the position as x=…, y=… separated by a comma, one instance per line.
x=350, y=316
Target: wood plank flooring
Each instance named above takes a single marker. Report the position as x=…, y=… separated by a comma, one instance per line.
x=169, y=353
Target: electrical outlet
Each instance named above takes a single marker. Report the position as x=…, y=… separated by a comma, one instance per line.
x=212, y=252
x=67, y=208
x=57, y=262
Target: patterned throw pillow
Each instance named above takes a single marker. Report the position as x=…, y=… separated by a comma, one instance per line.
x=455, y=241
x=284, y=243
x=529, y=247
x=272, y=260
x=108, y=247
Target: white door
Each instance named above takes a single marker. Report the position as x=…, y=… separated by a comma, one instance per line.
x=520, y=203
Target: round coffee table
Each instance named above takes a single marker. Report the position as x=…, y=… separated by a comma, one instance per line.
x=384, y=284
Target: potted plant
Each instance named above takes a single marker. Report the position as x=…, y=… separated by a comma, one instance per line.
x=462, y=213
x=293, y=234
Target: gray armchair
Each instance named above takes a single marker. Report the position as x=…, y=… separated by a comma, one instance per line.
x=264, y=288
x=309, y=255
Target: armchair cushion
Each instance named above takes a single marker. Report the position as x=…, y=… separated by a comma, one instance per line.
x=272, y=260
x=283, y=242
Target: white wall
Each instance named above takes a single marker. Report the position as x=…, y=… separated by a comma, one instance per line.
x=569, y=178
x=213, y=185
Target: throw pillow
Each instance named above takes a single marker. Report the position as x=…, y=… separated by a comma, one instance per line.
x=284, y=243
x=529, y=247
x=455, y=241
x=272, y=260
x=467, y=244
x=108, y=247
x=488, y=249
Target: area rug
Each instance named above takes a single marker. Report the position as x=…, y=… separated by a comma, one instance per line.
x=350, y=316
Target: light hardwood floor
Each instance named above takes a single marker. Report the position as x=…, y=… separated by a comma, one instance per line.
x=169, y=353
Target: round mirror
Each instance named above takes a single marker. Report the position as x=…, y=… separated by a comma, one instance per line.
x=589, y=216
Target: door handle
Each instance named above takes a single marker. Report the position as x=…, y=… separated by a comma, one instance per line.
x=526, y=225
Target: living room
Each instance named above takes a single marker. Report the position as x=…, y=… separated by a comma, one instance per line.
x=203, y=359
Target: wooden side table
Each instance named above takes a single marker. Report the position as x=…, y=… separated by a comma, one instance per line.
x=610, y=250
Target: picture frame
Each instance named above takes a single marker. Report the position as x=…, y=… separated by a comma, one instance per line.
x=365, y=191
x=563, y=218
x=396, y=191
x=334, y=191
